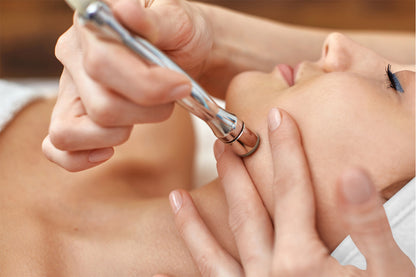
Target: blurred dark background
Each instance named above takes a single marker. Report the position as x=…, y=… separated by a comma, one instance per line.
x=30, y=28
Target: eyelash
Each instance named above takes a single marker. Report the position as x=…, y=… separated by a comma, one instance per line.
x=393, y=80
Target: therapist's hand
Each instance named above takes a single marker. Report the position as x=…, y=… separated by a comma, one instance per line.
x=293, y=247
x=105, y=89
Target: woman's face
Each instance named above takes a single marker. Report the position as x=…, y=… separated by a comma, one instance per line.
x=347, y=112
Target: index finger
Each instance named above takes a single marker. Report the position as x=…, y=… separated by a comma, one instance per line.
x=248, y=218
x=292, y=187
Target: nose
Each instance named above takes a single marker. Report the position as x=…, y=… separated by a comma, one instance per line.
x=340, y=53
x=335, y=53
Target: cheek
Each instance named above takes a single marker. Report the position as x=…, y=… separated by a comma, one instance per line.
x=251, y=94
x=358, y=130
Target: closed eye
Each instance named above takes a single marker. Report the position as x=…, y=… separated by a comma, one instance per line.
x=393, y=80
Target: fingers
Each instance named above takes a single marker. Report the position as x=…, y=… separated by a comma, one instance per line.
x=76, y=160
x=364, y=217
x=71, y=128
x=137, y=17
x=208, y=255
x=160, y=24
x=124, y=72
x=248, y=218
x=177, y=27
x=75, y=142
x=293, y=192
x=118, y=89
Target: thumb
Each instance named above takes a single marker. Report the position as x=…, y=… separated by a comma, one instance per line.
x=165, y=24
x=364, y=217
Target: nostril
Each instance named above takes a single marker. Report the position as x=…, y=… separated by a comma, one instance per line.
x=326, y=49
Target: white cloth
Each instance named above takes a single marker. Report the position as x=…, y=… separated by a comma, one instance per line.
x=400, y=210
x=13, y=98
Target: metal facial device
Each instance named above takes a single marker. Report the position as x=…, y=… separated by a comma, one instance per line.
x=226, y=126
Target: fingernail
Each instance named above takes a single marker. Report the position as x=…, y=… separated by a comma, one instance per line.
x=100, y=155
x=219, y=148
x=175, y=200
x=356, y=187
x=274, y=119
x=181, y=91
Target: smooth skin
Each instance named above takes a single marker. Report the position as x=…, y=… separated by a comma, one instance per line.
x=293, y=247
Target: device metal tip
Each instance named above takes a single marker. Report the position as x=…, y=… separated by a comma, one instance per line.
x=246, y=143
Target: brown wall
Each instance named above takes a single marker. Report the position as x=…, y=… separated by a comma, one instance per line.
x=29, y=28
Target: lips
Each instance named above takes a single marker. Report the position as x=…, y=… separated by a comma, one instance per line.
x=287, y=73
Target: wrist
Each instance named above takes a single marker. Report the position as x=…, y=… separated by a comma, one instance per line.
x=224, y=59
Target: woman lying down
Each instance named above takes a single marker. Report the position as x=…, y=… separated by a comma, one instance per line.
x=352, y=107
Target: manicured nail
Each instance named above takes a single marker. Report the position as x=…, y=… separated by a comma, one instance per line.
x=356, y=187
x=181, y=91
x=274, y=119
x=175, y=199
x=219, y=148
x=100, y=155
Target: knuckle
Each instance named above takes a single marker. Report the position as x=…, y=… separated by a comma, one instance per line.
x=237, y=220
x=124, y=135
x=286, y=151
x=61, y=47
x=151, y=96
x=151, y=89
x=94, y=62
x=205, y=265
x=184, y=219
x=46, y=148
x=164, y=114
x=352, y=271
x=370, y=223
x=60, y=134
x=241, y=214
x=299, y=263
x=156, y=114
x=120, y=135
x=286, y=137
x=285, y=182
x=181, y=225
x=103, y=112
x=291, y=267
x=59, y=53
x=92, y=65
x=253, y=260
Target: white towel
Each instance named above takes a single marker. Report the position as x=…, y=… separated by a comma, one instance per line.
x=13, y=98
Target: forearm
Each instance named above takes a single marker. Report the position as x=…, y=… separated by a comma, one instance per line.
x=243, y=42
x=398, y=47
